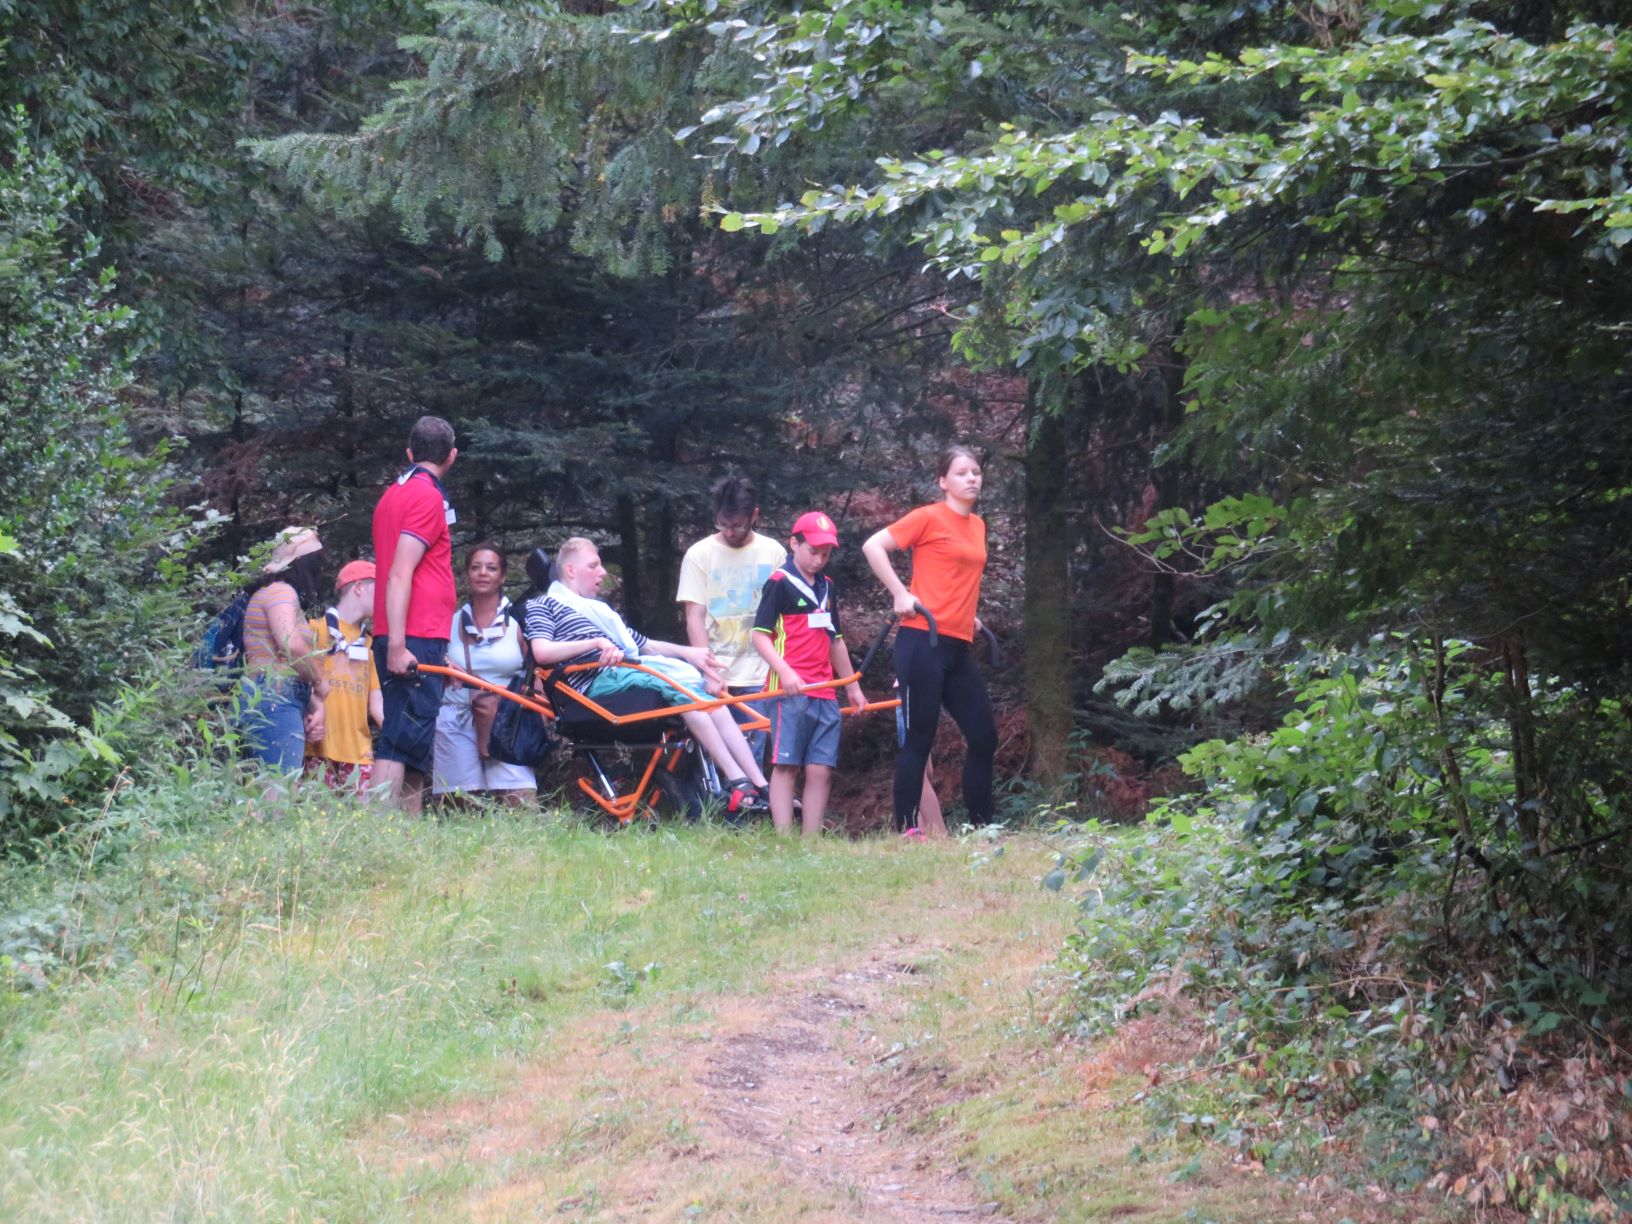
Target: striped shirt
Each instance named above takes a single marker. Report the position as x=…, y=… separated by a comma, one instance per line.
x=550, y=620
x=261, y=653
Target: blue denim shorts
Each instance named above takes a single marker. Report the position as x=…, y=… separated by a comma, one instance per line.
x=408, y=734
x=804, y=731
x=272, y=720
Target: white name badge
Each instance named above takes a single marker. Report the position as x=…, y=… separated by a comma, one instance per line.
x=451, y=515
x=821, y=620
x=357, y=652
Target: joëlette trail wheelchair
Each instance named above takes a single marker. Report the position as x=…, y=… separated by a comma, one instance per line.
x=667, y=773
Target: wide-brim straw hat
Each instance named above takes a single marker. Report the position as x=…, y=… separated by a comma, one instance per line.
x=292, y=542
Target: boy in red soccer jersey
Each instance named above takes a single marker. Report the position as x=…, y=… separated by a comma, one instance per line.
x=796, y=632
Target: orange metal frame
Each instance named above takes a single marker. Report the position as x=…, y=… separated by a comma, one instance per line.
x=625, y=807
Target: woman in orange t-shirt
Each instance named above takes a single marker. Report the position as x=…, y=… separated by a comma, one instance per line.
x=948, y=545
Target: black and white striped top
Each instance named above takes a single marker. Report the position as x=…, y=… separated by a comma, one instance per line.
x=550, y=620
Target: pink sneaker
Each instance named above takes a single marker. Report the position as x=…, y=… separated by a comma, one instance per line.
x=912, y=834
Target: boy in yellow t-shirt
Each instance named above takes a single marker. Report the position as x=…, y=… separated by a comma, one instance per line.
x=345, y=754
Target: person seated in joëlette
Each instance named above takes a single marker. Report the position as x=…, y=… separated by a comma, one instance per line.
x=567, y=624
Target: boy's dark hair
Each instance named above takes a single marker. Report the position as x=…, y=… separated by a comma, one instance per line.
x=431, y=440
x=735, y=495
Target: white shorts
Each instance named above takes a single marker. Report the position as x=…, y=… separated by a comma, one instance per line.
x=457, y=766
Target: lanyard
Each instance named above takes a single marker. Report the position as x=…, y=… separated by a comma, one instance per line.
x=493, y=632
x=447, y=506
x=338, y=642
x=800, y=585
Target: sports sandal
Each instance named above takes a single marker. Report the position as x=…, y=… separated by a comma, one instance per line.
x=742, y=796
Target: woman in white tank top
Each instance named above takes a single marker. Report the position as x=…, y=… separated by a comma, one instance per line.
x=485, y=640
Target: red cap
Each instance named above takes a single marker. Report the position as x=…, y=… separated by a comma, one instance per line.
x=816, y=528
x=354, y=571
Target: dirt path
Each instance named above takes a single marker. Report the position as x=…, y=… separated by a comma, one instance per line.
x=776, y=1105
x=786, y=1075
x=913, y=1077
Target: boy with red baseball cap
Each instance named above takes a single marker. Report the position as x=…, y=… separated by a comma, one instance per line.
x=796, y=632
x=345, y=754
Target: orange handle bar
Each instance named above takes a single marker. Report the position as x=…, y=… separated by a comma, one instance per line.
x=453, y=673
x=871, y=706
x=710, y=703
x=619, y=720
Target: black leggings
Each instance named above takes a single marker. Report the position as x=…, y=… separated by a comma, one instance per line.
x=931, y=678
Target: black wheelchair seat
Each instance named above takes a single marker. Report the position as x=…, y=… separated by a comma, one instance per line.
x=580, y=724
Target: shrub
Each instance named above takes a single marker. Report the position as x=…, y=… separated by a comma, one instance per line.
x=1365, y=928
x=92, y=573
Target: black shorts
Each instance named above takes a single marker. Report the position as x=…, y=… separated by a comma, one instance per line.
x=408, y=734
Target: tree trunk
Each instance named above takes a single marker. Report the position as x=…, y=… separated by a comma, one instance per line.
x=1049, y=674
x=629, y=558
x=350, y=434
x=1169, y=482
x=1526, y=785
x=664, y=614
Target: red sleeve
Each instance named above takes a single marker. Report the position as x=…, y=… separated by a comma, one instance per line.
x=908, y=530
x=423, y=516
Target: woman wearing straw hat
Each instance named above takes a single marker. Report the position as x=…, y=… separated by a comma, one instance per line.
x=280, y=698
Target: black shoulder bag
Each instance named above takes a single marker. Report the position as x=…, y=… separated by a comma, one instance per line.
x=522, y=736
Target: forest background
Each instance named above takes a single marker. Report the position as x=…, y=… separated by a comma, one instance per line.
x=1295, y=333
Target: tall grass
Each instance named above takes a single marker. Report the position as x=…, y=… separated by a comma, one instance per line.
x=203, y=1005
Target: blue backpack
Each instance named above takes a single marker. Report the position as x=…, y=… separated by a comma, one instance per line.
x=221, y=648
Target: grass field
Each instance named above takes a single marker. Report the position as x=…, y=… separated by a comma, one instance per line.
x=348, y=1014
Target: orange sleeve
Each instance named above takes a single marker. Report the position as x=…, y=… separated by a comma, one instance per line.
x=908, y=530
x=948, y=560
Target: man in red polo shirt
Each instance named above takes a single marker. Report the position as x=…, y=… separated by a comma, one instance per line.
x=413, y=608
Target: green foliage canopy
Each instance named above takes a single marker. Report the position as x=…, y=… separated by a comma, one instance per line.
x=1384, y=245
x=89, y=569
x=554, y=114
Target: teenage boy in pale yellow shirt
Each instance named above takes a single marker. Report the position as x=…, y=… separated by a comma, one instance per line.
x=720, y=582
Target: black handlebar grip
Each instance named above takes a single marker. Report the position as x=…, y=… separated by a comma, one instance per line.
x=878, y=641
x=934, y=631
x=994, y=652
x=883, y=633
